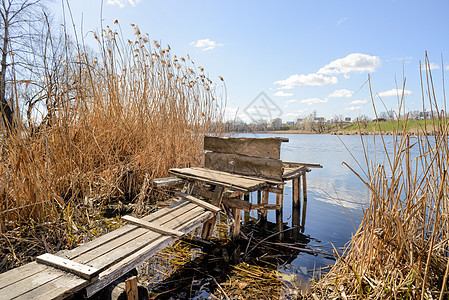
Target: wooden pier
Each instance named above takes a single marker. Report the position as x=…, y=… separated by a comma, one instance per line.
x=234, y=168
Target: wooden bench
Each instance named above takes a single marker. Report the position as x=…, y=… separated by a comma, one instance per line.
x=246, y=165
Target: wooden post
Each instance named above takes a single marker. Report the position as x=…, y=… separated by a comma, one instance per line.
x=296, y=207
x=246, y=213
x=236, y=226
x=279, y=212
x=304, y=202
x=132, y=292
x=263, y=214
x=304, y=187
x=208, y=226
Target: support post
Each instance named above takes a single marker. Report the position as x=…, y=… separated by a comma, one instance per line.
x=279, y=212
x=246, y=213
x=263, y=214
x=236, y=226
x=304, y=202
x=208, y=226
x=132, y=292
x=296, y=207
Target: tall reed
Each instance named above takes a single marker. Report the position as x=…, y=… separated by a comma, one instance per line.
x=109, y=121
x=400, y=250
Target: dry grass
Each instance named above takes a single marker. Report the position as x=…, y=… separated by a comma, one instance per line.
x=400, y=250
x=106, y=124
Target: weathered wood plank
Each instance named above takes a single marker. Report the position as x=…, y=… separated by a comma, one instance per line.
x=268, y=147
x=233, y=181
x=294, y=172
x=137, y=258
x=106, y=255
x=64, y=264
x=104, y=239
x=198, y=202
x=59, y=288
x=167, y=181
x=289, y=164
x=265, y=206
x=152, y=226
x=237, y=203
x=266, y=168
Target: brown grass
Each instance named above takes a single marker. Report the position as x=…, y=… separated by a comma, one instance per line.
x=108, y=122
x=400, y=250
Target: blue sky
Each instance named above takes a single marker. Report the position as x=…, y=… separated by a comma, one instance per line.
x=304, y=55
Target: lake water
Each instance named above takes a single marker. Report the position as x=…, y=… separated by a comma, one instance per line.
x=335, y=194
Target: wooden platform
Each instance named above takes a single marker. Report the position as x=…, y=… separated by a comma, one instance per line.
x=107, y=257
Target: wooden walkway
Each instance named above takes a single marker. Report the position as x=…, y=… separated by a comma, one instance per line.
x=107, y=258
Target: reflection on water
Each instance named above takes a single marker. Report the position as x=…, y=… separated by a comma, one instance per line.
x=335, y=195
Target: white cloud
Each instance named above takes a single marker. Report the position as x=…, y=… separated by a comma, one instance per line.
x=206, y=44
x=447, y=67
x=121, y=3
x=283, y=94
x=311, y=101
x=355, y=62
x=342, y=20
x=351, y=108
x=289, y=101
x=394, y=92
x=343, y=93
x=355, y=102
x=306, y=80
x=434, y=66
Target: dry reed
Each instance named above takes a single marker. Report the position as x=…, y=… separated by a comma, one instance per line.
x=107, y=123
x=400, y=250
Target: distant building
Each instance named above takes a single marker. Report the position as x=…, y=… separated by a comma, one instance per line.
x=290, y=123
x=348, y=119
x=276, y=124
x=427, y=114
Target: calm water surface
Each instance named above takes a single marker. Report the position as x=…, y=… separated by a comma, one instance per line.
x=335, y=194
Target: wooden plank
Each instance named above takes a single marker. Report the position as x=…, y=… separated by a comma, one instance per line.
x=198, y=202
x=17, y=274
x=237, y=203
x=106, y=255
x=61, y=287
x=265, y=206
x=131, y=288
x=296, y=164
x=104, y=239
x=152, y=226
x=295, y=172
x=220, y=176
x=266, y=168
x=84, y=271
x=268, y=147
x=207, y=193
x=167, y=181
x=105, y=248
x=240, y=177
x=130, y=262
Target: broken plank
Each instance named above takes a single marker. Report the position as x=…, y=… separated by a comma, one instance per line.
x=267, y=147
x=199, y=202
x=68, y=265
x=237, y=203
x=296, y=164
x=265, y=168
x=167, y=181
x=152, y=226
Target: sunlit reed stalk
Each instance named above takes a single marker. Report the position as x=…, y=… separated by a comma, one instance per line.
x=400, y=250
x=114, y=119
